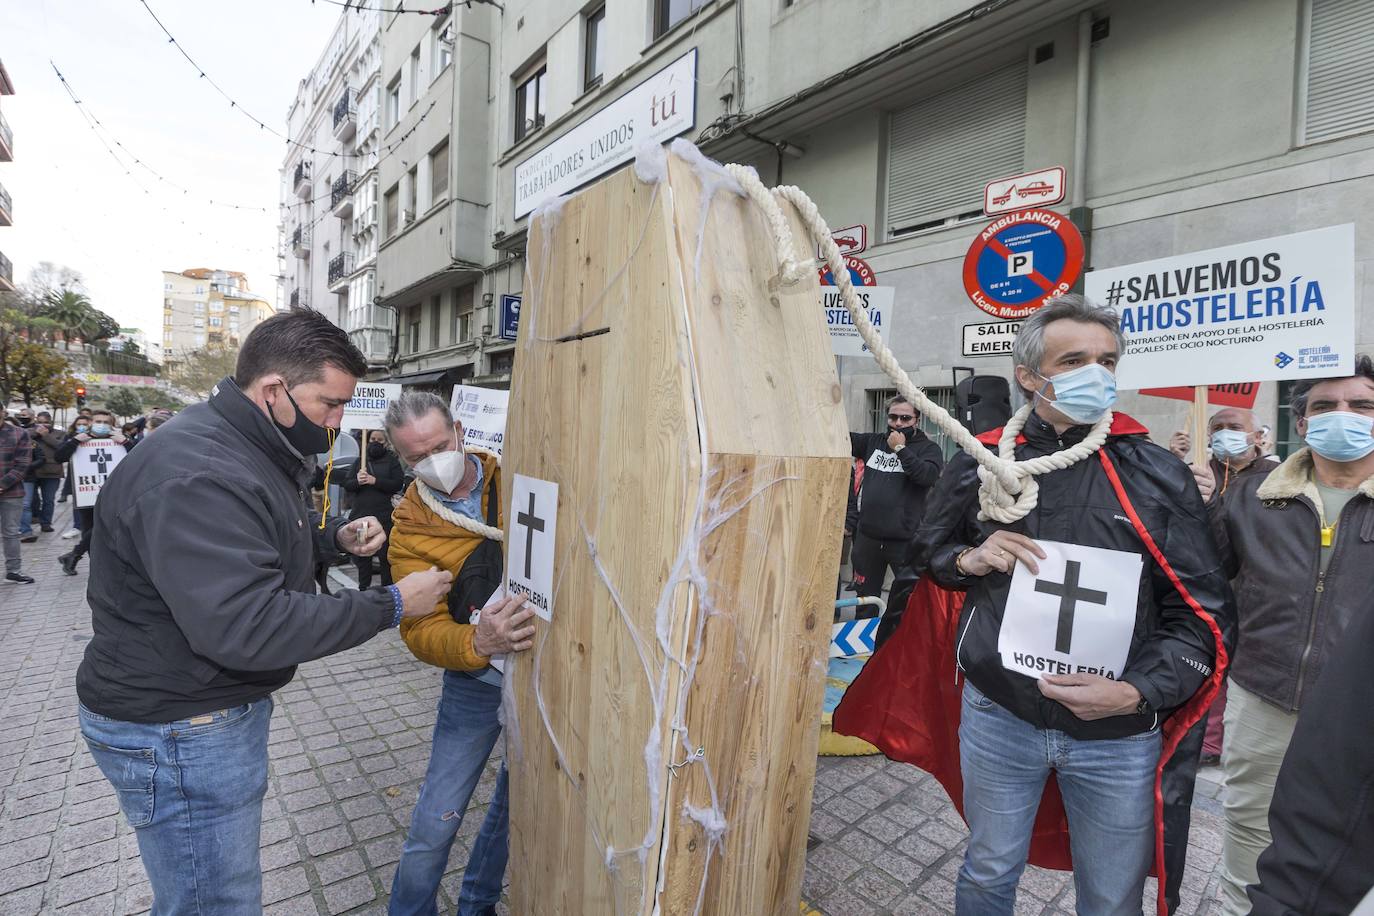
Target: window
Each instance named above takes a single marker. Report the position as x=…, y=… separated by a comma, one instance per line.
x=529, y=104
x=438, y=173
x=200, y=340
x=167, y=319
x=1338, y=85
x=1286, y=438
x=943, y=148
x=393, y=102
x=411, y=193
x=436, y=307
x=200, y=290
x=414, y=335
x=415, y=75
x=233, y=310
x=670, y=12
x=216, y=305
x=167, y=303
x=443, y=49
x=200, y=308
x=216, y=321
x=464, y=314
x=594, y=60
x=393, y=198
x=166, y=286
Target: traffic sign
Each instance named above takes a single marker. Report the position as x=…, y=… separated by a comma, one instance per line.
x=1021, y=261
x=510, y=317
x=860, y=274
x=851, y=240
x=854, y=637
x=1033, y=189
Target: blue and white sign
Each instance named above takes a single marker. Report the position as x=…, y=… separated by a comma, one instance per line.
x=876, y=301
x=854, y=637
x=510, y=317
x=1273, y=309
x=1021, y=261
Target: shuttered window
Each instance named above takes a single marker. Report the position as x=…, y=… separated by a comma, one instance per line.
x=1340, y=70
x=944, y=149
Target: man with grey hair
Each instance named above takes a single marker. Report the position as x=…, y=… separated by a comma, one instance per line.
x=1076, y=639
x=1233, y=438
x=452, y=487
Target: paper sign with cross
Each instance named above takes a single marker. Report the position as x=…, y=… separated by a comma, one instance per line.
x=531, y=534
x=1075, y=616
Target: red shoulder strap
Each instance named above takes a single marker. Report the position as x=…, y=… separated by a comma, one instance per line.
x=1197, y=706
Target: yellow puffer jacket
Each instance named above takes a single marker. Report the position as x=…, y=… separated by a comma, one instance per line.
x=421, y=539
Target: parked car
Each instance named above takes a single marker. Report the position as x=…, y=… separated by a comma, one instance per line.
x=1037, y=189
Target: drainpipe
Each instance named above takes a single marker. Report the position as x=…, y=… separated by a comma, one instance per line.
x=1078, y=199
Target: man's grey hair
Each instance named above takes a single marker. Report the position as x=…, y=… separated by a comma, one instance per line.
x=412, y=405
x=1029, y=347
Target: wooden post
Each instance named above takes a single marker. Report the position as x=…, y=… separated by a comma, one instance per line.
x=362, y=448
x=1199, y=430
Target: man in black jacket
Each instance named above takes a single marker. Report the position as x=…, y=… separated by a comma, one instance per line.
x=900, y=466
x=203, y=603
x=372, y=490
x=1074, y=641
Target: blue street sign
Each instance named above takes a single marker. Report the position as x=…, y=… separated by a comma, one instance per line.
x=510, y=316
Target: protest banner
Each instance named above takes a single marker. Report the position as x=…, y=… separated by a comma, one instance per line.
x=482, y=411
x=367, y=411
x=92, y=463
x=1238, y=394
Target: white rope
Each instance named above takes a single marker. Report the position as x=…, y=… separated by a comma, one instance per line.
x=453, y=518
x=1008, y=491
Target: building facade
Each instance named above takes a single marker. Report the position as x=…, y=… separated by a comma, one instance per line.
x=6, y=155
x=204, y=308
x=328, y=231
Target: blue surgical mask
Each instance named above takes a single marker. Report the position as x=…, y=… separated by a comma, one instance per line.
x=100, y=429
x=1230, y=443
x=1083, y=394
x=1340, y=436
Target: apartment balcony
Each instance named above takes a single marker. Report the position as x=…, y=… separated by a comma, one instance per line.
x=6, y=140
x=345, y=116
x=6, y=274
x=339, y=270
x=300, y=297
x=341, y=195
x=301, y=182
x=5, y=212
x=300, y=241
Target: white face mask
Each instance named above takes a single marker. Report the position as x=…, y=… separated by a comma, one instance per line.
x=443, y=471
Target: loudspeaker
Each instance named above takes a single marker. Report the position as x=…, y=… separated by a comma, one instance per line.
x=983, y=402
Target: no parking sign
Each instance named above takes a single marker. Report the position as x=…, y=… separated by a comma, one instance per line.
x=1021, y=261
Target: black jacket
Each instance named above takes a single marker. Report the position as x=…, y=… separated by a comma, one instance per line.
x=1322, y=815
x=201, y=590
x=375, y=499
x=892, y=496
x=1293, y=616
x=1172, y=651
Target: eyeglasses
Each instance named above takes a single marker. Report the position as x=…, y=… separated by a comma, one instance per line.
x=901, y=418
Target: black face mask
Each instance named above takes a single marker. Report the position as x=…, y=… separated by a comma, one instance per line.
x=908, y=432
x=306, y=436
x=25, y=422
x=375, y=450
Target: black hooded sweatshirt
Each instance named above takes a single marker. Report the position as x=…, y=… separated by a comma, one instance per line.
x=892, y=496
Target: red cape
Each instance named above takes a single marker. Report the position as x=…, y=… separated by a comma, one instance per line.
x=906, y=701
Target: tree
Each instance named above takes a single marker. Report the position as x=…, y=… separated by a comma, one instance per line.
x=200, y=370
x=124, y=402
x=131, y=348
x=36, y=373
x=158, y=397
x=72, y=312
x=18, y=324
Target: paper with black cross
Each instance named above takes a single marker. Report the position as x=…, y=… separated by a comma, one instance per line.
x=1075, y=616
x=531, y=533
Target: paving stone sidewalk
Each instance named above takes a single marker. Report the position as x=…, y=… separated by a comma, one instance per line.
x=349, y=743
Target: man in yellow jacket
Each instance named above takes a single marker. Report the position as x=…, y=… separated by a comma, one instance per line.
x=444, y=521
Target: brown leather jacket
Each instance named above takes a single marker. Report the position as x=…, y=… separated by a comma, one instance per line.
x=1292, y=616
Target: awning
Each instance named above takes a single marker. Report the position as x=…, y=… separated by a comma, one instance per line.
x=429, y=377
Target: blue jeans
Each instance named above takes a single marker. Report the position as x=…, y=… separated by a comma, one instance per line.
x=40, y=501
x=1108, y=789
x=464, y=735
x=192, y=790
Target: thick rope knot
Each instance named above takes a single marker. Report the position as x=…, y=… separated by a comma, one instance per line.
x=998, y=504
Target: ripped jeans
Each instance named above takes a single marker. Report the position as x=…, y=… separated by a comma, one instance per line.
x=464, y=735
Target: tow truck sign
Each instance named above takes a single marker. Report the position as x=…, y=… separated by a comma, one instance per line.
x=1022, y=260
x=1033, y=189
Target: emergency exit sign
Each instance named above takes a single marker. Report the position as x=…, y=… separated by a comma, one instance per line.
x=990, y=339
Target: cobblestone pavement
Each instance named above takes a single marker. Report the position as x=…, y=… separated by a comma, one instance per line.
x=349, y=745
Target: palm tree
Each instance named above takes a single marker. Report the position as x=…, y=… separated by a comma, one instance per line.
x=72, y=311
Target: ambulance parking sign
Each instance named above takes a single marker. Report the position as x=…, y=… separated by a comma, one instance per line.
x=1022, y=260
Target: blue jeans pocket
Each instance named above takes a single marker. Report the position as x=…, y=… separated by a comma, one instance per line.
x=974, y=697
x=130, y=771
x=211, y=721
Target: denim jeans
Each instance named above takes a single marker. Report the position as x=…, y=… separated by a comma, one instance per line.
x=40, y=501
x=464, y=735
x=1108, y=789
x=11, y=511
x=192, y=790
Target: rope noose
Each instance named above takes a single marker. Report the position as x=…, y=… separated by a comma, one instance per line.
x=1008, y=490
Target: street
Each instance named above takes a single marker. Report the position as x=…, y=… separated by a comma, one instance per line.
x=349, y=744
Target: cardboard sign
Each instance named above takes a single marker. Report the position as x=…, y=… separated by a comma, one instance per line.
x=482, y=411
x=92, y=463
x=1075, y=616
x=1275, y=309
x=367, y=410
x=531, y=534
x=1240, y=394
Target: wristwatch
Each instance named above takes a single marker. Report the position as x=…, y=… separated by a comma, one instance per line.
x=1143, y=707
